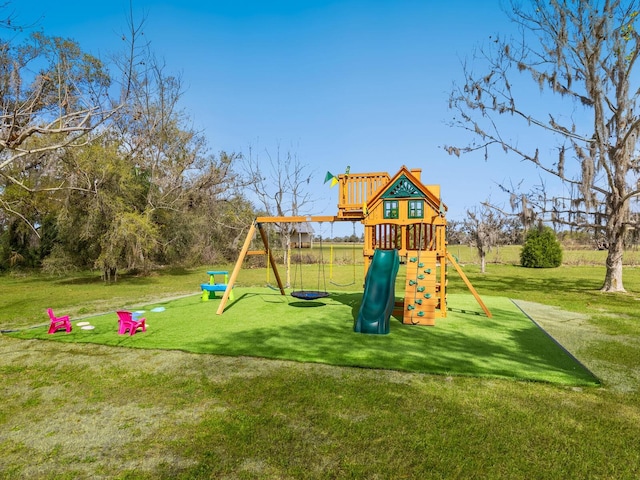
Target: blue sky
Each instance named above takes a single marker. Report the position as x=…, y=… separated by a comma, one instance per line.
x=339, y=83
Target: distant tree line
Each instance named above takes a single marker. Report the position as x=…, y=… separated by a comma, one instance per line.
x=486, y=227
x=347, y=239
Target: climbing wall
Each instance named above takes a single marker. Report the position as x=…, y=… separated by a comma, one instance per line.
x=421, y=289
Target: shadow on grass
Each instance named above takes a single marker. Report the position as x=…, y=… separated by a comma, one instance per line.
x=468, y=343
x=178, y=271
x=122, y=280
x=273, y=298
x=519, y=353
x=307, y=304
x=528, y=280
x=136, y=278
x=263, y=324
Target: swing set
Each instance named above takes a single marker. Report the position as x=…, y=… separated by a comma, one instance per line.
x=299, y=291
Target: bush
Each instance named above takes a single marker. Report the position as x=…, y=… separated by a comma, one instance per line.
x=541, y=249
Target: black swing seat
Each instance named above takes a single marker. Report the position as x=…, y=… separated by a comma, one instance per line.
x=309, y=294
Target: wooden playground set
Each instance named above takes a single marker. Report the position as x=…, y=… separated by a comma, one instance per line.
x=399, y=213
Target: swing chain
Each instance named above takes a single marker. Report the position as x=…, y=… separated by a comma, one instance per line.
x=353, y=259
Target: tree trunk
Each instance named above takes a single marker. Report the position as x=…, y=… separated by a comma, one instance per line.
x=615, y=237
x=613, y=276
x=109, y=273
x=483, y=257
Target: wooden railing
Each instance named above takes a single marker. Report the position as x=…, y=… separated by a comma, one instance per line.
x=355, y=190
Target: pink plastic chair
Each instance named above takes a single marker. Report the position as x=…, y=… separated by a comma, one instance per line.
x=58, y=322
x=128, y=323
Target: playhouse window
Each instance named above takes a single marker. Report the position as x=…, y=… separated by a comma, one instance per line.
x=416, y=209
x=390, y=209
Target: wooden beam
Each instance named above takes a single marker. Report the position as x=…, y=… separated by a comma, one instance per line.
x=272, y=261
x=300, y=219
x=468, y=284
x=236, y=269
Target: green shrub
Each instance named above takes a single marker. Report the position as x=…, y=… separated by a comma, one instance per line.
x=541, y=249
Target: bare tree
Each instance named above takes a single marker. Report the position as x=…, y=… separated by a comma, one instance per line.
x=582, y=54
x=52, y=96
x=279, y=184
x=484, y=227
x=455, y=232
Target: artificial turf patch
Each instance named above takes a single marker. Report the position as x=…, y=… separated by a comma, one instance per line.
x=262, y=323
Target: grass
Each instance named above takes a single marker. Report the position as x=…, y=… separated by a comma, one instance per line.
x=510, y=254
x=68, y=407
x=263, y=323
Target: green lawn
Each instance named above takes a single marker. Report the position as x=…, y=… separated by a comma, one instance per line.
x=71, y=409
x=263, y=323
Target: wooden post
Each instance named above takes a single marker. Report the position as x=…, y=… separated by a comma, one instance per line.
x=468, y=284
x=272, y=262
x=443, y=283
x=236, y=269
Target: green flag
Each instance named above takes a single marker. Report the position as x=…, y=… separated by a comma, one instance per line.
x=328, y=176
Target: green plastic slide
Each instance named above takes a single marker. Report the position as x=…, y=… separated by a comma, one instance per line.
x=379, y=293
